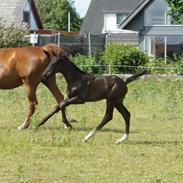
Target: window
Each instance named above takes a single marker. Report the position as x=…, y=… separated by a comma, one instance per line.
x=120, y=17
x=155, y=45
x=163, y=46
x=26, y=17
x=174, y=45
x=156, y=13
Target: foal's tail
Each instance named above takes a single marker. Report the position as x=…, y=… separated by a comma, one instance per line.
x=135, y=76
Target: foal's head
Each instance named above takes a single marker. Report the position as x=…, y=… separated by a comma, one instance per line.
x=61, y=64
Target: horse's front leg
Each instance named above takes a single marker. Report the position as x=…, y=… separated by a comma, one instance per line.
x=31, y=94
x=62, y=106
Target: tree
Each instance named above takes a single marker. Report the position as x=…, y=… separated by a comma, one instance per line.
x=176, y=10
x=12, y=35
x=54, y=14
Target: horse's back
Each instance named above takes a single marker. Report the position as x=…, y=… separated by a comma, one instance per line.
x=19, y=63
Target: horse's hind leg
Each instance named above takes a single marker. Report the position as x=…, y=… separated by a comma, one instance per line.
x=126, y=115
x=31, y=94
x=107, y=117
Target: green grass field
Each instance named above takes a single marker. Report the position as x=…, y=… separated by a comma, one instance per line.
x=52, y=154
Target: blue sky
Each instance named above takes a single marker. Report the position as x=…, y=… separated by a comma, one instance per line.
x=81, y=6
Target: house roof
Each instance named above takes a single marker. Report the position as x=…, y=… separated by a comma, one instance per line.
x=134, y=13
x=94, y=20
x=11, y=10
x=131, y=38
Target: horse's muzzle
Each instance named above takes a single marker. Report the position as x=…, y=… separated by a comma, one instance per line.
x=44, y=78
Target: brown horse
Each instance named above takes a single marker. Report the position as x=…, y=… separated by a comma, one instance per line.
x=84, y=87
x=25, y=66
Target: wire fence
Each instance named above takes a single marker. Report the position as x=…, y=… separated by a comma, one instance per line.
x=78, y=44
x=123, y=70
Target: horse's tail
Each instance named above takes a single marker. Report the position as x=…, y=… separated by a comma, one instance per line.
x=135, y=76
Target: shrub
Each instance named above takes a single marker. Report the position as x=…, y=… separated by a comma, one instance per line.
x=88, y=64
x=173, y=66
x=158, y=66
x=125, y=57
x=12, y=35
x=178, y=64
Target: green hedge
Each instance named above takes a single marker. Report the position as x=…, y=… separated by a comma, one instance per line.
x=173, y=66
x=124, y=55
x=119, y=56
x=89, y=64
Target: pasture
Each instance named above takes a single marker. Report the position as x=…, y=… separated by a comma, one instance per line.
x=52, y=154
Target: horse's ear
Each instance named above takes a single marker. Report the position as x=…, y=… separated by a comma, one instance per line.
x=52, y=50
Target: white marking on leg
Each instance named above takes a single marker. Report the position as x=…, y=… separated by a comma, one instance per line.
x=65, y=126
x=20, y=128
x=91, y=134
x=124, y=138
x=24, y=125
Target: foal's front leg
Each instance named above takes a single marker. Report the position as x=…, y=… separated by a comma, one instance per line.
x=62, y=105
x=107, y=117
x=52, y=86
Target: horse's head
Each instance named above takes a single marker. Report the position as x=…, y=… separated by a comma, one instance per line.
x=55, y=54
x=53, y=50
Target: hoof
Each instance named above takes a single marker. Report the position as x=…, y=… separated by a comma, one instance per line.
x=84, y=141
x=67, y=127
x=21, y=128
x=123, y=139
x=120, y=141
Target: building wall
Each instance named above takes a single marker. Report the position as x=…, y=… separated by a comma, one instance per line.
x=33, y=24
x=157, y=36
x=110, y=22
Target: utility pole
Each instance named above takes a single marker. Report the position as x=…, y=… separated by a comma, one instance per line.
x=69, y=21
x=30, y=11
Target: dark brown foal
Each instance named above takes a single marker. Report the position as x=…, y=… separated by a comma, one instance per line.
x=84, y=87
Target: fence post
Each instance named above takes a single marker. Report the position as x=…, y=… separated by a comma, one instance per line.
x=34, y=38
x=69, y=21
x=89, y=44
x=109, y=68
x=106, y=39
x=58, y=41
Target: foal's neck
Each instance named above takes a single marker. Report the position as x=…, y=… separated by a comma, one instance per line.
x=71, y=72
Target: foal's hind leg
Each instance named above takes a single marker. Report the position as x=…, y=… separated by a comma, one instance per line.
x=31, y=94
x=126, y=115
x=107, y=117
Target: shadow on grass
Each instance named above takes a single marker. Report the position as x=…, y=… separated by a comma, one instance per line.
x=156, y=143
x=105, y=129
x=87, y=129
